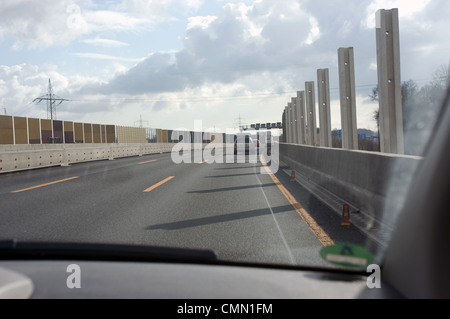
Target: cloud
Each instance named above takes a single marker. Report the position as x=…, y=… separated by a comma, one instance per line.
x=346, y=29
x=99, y=56
x=106, y=43
x=159, y=106
x=160, y=10
x=407, y=9
x=240, y=41
x=112, y=21
x=200, y=22
x=21, y=84
x=34, y=25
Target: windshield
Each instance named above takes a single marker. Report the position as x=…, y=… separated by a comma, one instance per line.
x=268, y=132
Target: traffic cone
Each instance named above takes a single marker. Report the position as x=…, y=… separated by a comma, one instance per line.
x=345, y=215
x=293, y=176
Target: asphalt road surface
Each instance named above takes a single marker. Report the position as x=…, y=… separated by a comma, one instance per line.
x=232, y=209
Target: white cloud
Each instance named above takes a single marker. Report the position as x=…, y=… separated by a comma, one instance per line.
x=241, y=41
x=112, y=21
x=161, y=10
x=200, y=22
x=21, y=84
x=314, y=34
x=407, y=9
x=31, y=24
x=99, y=56
x=107, y=43
x=35, y=24
x=346, y=29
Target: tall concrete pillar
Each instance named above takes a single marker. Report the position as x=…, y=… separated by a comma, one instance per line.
x=288, y=125
x=310, y=101
x=323, y=83
x=348, y=98
x=301, y=127
x=389, y=82
x=295, y=120
x=291, y=123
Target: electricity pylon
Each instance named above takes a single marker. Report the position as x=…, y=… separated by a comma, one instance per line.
x=51, y=99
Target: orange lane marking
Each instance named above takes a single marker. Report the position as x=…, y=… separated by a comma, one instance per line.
x=203, y=162
x=158, y=184
x=152, y=161
x=318, y=231
x=43, y=185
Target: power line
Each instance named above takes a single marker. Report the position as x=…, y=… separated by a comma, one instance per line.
x=272, y=95
x=54, y=100
x=205, y=98
x=51, y=99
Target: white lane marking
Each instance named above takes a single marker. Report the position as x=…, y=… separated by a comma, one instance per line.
x=289, y=251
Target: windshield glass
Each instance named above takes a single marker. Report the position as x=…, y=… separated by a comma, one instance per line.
x=272, y=132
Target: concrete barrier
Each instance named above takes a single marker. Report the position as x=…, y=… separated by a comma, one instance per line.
x=22, y=157
x=361, y=179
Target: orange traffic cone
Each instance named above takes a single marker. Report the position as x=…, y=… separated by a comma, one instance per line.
x=345, y=215
x=293, y=176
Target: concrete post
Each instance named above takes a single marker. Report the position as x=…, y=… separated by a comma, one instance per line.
x=65, y=162
x=301, y=127
x=348, y=98
x=288, y=125
x=389, y=82
x=111, y=153
x=291, y=125
x=295, y=121
x=323, y=82
x=310, y=100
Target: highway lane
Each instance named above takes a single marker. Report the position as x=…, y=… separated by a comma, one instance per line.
x=230, y=208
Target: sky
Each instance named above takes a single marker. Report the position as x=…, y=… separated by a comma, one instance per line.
x=176, y=61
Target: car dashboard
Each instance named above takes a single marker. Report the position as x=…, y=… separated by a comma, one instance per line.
x=48, y=279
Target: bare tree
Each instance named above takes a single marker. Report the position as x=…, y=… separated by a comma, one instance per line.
x=376, y=118
x=374, y=95
x=409, y=92
x=432, y=93
x=441, y=77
